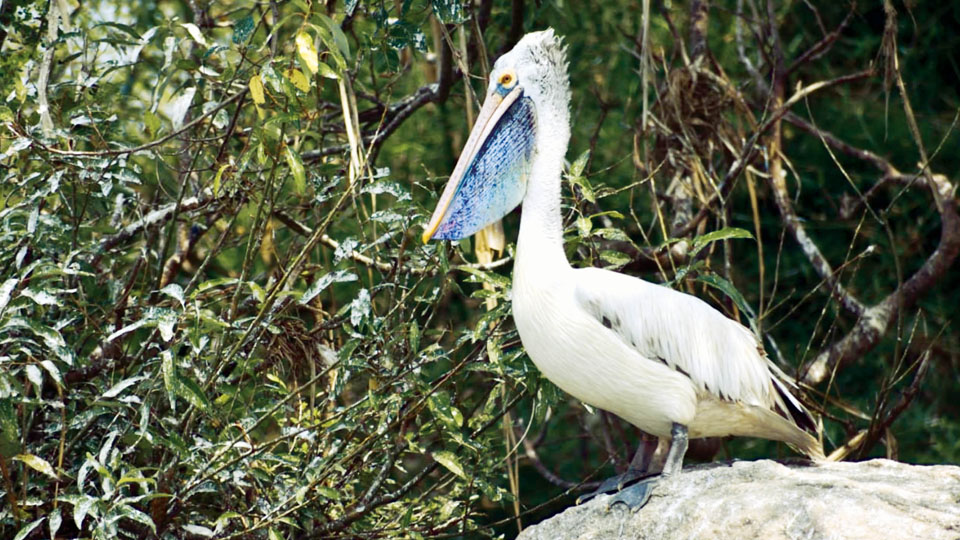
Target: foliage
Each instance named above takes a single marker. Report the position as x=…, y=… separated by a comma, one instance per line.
x=216, y=317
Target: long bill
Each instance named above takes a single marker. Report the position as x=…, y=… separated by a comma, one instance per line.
x=490, y=174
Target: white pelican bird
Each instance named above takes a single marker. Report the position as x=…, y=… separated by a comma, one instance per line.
x=662, y=360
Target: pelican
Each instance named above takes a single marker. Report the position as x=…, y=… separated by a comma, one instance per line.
x=662, y=360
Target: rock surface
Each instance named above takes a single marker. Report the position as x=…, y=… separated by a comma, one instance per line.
x=764, y=499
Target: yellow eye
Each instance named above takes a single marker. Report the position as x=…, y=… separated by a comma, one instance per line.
x=507, y=80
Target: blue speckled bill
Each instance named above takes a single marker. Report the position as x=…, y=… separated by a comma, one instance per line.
x=496, y=179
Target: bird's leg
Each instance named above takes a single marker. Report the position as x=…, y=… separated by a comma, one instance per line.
x=637, y=495
x=678, y=449
x=638, y=468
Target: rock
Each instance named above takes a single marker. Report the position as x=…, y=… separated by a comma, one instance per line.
x=764, y=499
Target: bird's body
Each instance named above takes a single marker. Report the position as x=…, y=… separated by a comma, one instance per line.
x=662, y=360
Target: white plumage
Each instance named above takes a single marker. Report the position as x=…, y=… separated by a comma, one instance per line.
x=663, y=360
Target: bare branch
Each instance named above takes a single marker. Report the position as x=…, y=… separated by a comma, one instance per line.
x=821, y=47
x=810, y=248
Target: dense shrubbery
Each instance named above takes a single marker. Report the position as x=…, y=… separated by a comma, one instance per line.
x=216, y=317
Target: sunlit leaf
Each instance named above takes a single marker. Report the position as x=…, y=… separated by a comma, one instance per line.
x=256, y=90
x=28, y=528
x=725, y=233
x=195, y=33
x=37, y=463
x=198, y=530
x=307, y=52
x=450, y=461
x=298, y=79
x=118, y=388
x=177, y=108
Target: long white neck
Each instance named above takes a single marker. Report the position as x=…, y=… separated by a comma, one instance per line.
x=540, y=243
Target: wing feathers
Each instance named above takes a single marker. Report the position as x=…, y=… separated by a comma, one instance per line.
x=718, y=354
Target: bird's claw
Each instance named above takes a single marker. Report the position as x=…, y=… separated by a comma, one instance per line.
x=619, y=484
x=635, y=496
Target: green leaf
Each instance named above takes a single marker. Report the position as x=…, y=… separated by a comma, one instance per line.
x=718, y=282
x=339, y=38
x=27, y=529
x=242, y=29
x=578, y=166
x=189, y=390
x=328, y=492
x=615, y=258
x=9, y=429
x=441, y=407
x=575, y=176
x=169, y=374
x=296, y=168
x=327, y=72
x=704, y=240
x=584, y=225
x=37, y=463
x=121, y=386
x=130, y=512
x=482, y=276
x=450, y=461
x=218, y=179
x=448, y=11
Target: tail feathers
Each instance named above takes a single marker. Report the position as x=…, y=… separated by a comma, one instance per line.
x=791, y=408
x=771, y=425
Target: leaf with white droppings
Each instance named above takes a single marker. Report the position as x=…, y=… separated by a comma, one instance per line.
x=55, y=519
x=6, y=291
x=42, y=298
x=325, y=281
x=81, y=508
x=174, y=291
x=360, y=307
x=28, y=528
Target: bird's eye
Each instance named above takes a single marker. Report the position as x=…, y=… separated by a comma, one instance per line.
x=507, y=80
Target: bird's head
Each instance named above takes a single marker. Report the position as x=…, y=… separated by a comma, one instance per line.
x=528, y=89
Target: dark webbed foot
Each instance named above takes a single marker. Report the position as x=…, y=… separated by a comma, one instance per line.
x=635, y=496
x=615, y=484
